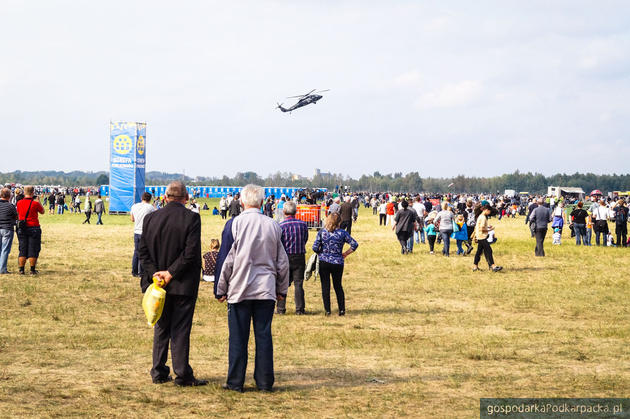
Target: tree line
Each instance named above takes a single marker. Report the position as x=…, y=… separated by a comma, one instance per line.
x=534, y=183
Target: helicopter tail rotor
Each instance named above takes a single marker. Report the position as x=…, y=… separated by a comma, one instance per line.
x=280, y=107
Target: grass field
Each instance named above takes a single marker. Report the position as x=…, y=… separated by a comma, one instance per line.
x=423, y=335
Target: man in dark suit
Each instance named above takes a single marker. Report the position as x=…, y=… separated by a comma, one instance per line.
x=170, y=249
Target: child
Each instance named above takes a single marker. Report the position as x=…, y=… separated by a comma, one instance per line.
x=431, y=234
x=461, y=235
x=215, y=211
x=556, y=236
x=210, y=261
x=610, y=239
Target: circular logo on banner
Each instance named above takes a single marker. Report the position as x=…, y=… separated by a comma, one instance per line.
x=122, y=144
x=140, y=145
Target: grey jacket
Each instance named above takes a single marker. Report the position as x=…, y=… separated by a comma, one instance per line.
x=540, y=217
x=257, y=266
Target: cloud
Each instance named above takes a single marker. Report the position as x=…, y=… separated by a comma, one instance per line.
x=451, y=95
x=410, y=78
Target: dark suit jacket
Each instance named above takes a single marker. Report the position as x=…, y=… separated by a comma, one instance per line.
x=171, y=240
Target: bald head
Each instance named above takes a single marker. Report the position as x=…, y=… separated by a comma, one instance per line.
x=176, y=191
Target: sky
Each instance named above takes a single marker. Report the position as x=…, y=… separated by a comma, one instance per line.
x=441, y=88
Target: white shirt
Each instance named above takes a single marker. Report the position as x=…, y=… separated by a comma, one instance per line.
x=601, y=213
x=139, y=211
x=420, y=209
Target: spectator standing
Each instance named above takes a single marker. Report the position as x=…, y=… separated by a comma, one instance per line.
x=254, y=274
x=420, y=209
x=8, y=216
x=235, y=207
x=346, y=211
x=294, y=238
x=335, y=207
x=445, y=219
x=579, y=216
x=170, y=250
x=223, y=207
x=138, y=212
x=541, y=216
x=29, y=237
x=329, y=246
x=600, y=214
x=621, y=223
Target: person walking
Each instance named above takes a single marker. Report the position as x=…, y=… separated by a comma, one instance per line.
x=294, y=238
x=87, y=209
x=30, y=234
x=138, y=212
x=223, y=207
x=170, y=250
x=445, y=218
x=482, y=228
x=254, y=274
x=541, y=216
x=235, y=206
x=99, y=208
x=8, y=216
x=329, y=247
x=420, y=209
x=382, y=213
x=404, y=224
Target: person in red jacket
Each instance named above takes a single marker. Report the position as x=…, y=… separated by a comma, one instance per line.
x=29, y=237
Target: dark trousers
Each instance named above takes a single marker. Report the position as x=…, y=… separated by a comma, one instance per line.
x=484, y=247
x=136, y=267
x=374, y=210
x=470, y=230
x=240, y=316
x=580, y=234
x=88, y=214
x=601, y=227
x=346, y=225
x=326, y=270
x=381, y=219
x=540, y=241
x=297, y=266
x=403, y=238
x=622, y=232
x=223, y=214
x=431, y=240
x=99, y=221
x=174, y=326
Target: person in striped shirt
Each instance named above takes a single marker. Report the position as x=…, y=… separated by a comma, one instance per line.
x=294, y=238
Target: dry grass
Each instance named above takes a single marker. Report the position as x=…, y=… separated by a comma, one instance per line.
x=424, y=336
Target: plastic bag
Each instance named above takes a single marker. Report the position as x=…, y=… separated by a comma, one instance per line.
x=153, y=302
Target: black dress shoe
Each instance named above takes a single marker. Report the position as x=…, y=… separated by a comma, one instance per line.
x=163, y=380
x=193, y=383
x=327, y=313
x=342, y=312
x=228, y=387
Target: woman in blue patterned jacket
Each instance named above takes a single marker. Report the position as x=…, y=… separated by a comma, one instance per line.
x=329, y=246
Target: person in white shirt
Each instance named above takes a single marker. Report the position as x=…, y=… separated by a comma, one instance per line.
x=138, y=212
x=601, y=214
x=420, y=209
x=382, y=213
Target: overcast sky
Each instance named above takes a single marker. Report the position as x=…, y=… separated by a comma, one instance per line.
x=442, y=88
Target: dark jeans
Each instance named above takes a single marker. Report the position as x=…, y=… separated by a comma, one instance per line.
x=431, y=240
x=88, y=214
x=240, y=316
x=346, y=225
x=540, y=241
x=381, y=219
x=326, y=270
x=297, y=265
x=601, y=227
x=446, y=239
x=136, y=268
x=580, y=234
x=470, y=230
x=223, y=214
x=621, y=230
x=174, y=326
x=484, y=247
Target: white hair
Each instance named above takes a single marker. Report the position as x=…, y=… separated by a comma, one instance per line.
x=289, y=208
x=252, y=195
x=347, y=198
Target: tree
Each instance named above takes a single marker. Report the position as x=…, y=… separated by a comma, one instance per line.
x=102, y=179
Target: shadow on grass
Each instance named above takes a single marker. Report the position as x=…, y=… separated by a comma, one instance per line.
x=528, y=269
x=310, y=378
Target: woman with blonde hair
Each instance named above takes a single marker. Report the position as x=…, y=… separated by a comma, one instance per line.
x=329, y=246
x=445, y=218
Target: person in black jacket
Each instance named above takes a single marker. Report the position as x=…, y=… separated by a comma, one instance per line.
x=404, y=223
x=170, y=250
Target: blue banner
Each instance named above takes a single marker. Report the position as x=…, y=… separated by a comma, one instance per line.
x=127, y=163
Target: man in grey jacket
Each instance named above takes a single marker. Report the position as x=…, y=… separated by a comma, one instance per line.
x=255, y=273
x=540, y=217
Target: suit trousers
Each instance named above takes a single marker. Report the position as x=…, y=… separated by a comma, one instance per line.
x=540, y=241
x=174, y=326
x=240, y=316
x=297, y=266
x=346, y=225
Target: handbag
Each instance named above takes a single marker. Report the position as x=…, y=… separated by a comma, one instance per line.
x=21, y=224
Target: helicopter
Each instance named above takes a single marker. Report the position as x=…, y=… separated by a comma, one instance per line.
x=307, y=99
